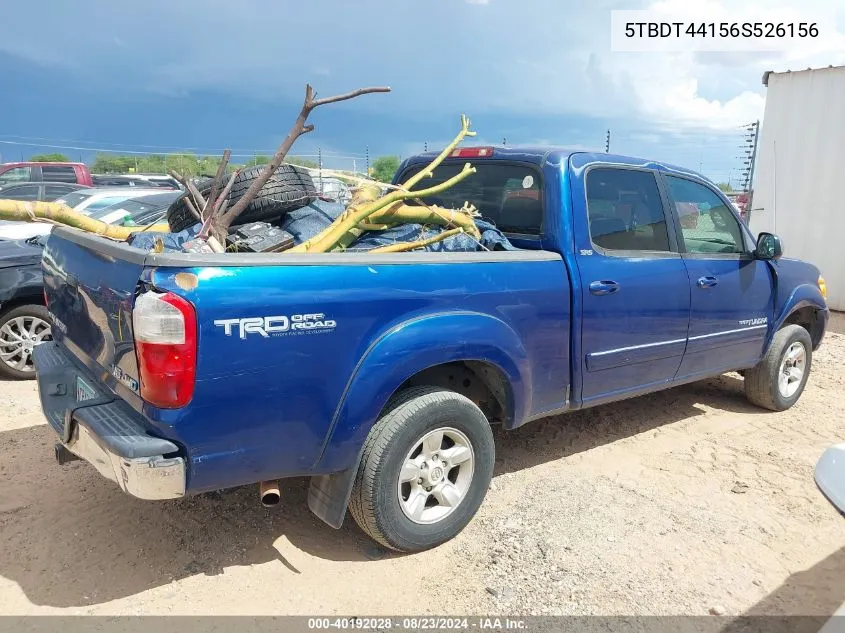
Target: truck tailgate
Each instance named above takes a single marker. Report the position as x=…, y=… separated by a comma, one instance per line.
x=91, y=306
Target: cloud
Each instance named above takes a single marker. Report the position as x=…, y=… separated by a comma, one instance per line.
x=534, y=60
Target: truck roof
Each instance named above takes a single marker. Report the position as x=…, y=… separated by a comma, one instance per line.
x=537, y=154
x=39, y=163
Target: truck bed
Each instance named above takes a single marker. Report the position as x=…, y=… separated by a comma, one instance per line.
x=291, y=395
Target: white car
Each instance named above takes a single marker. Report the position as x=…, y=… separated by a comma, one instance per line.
x=85, y=201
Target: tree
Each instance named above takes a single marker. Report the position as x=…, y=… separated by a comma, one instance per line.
x=384, y=168
x=49, y=158
x=724, y=186
x=302, y=162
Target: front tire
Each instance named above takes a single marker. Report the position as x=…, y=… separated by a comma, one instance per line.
x=425, y=470
x=778, y=380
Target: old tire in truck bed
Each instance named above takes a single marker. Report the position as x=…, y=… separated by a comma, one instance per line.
x=290, y=187
x=425, y=469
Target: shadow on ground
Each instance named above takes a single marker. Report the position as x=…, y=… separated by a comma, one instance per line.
x=70, y=538
x=802, y=604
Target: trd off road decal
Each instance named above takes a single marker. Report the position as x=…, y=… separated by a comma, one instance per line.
x=280, y=325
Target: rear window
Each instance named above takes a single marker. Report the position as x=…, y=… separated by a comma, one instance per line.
x=58, y=173
x=508, y=195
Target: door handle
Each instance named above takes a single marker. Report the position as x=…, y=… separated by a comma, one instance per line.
x=604, y=287
x=706, y=282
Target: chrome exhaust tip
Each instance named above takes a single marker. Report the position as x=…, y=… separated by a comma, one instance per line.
x=269, y=493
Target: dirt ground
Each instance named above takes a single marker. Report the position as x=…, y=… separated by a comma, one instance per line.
x=675, y=503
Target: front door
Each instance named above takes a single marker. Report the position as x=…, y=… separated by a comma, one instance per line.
x=635, y=288
x=732, y=302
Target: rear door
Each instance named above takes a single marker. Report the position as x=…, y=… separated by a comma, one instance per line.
x=635, y=288
x=732, y=298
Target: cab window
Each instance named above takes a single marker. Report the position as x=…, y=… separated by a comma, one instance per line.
x=707, y=224
x=625, y=210
x=16, y=174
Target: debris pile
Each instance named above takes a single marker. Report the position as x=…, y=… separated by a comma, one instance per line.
x=276, y=208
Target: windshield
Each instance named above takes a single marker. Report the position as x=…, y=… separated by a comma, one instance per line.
x=104, y=202
x=136, y=210
x=73, y=199
x=508, y=195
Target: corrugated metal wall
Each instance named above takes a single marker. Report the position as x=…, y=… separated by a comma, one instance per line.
x=799, y=188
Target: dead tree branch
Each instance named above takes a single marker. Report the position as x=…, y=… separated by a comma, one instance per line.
x=192, y=208
x=222, y=221
x=410, y=246
x=215, y=185
x=366, y=204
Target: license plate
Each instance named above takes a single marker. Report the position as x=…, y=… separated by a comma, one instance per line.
x=84, y=391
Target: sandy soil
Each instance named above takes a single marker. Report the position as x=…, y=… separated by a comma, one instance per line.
x=674, y=503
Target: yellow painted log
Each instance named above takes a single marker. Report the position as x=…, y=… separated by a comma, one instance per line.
x=21, y=211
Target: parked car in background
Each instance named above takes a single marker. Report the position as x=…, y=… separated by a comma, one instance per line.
x=89, y=200
x=24, y=321
x=38, y=191
x=331, y=188
x=688, y=214
x=140, y=211
x=45, y=172
x=136, y=180
x=85, y=201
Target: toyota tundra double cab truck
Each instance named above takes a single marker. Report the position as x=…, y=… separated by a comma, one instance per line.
x=379, y=376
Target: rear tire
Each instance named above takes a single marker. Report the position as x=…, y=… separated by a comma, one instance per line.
x=778, y=380
x=425, y=470
x=21, y=329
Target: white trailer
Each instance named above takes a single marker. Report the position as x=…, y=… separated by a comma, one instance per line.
x=799, y=180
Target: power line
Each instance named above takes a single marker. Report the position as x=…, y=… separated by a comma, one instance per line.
x=177, y=153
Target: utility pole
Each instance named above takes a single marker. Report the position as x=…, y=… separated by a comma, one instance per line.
x=607, y=143
x=749, y=148
x=367, y=150
x=505, y=141
x=425, y=146
x=320, y=167
x=754, y=134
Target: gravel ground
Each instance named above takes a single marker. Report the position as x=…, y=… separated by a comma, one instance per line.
x=688, y=501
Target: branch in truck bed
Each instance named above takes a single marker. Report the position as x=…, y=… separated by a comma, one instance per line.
x=222, y=221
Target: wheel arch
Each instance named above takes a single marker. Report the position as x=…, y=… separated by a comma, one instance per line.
x=805, y=307
x=441, y=350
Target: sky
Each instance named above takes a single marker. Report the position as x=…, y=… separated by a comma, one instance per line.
x=159, y=76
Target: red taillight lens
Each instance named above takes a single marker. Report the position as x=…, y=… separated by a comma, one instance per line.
x=472, y=152
x=165, y=330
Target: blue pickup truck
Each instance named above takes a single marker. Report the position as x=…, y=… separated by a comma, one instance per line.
x=379, y=376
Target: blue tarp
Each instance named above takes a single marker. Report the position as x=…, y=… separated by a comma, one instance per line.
x=306, y=222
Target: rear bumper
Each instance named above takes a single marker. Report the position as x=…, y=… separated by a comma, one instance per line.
x=104, y=431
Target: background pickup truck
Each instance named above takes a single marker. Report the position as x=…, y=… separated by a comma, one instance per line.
x=77, y=173
x=380, y=375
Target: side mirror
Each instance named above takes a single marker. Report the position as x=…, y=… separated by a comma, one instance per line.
x=768, y=246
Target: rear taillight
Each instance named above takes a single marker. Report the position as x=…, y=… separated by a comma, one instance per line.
x=165, y=330
x=472, y=152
